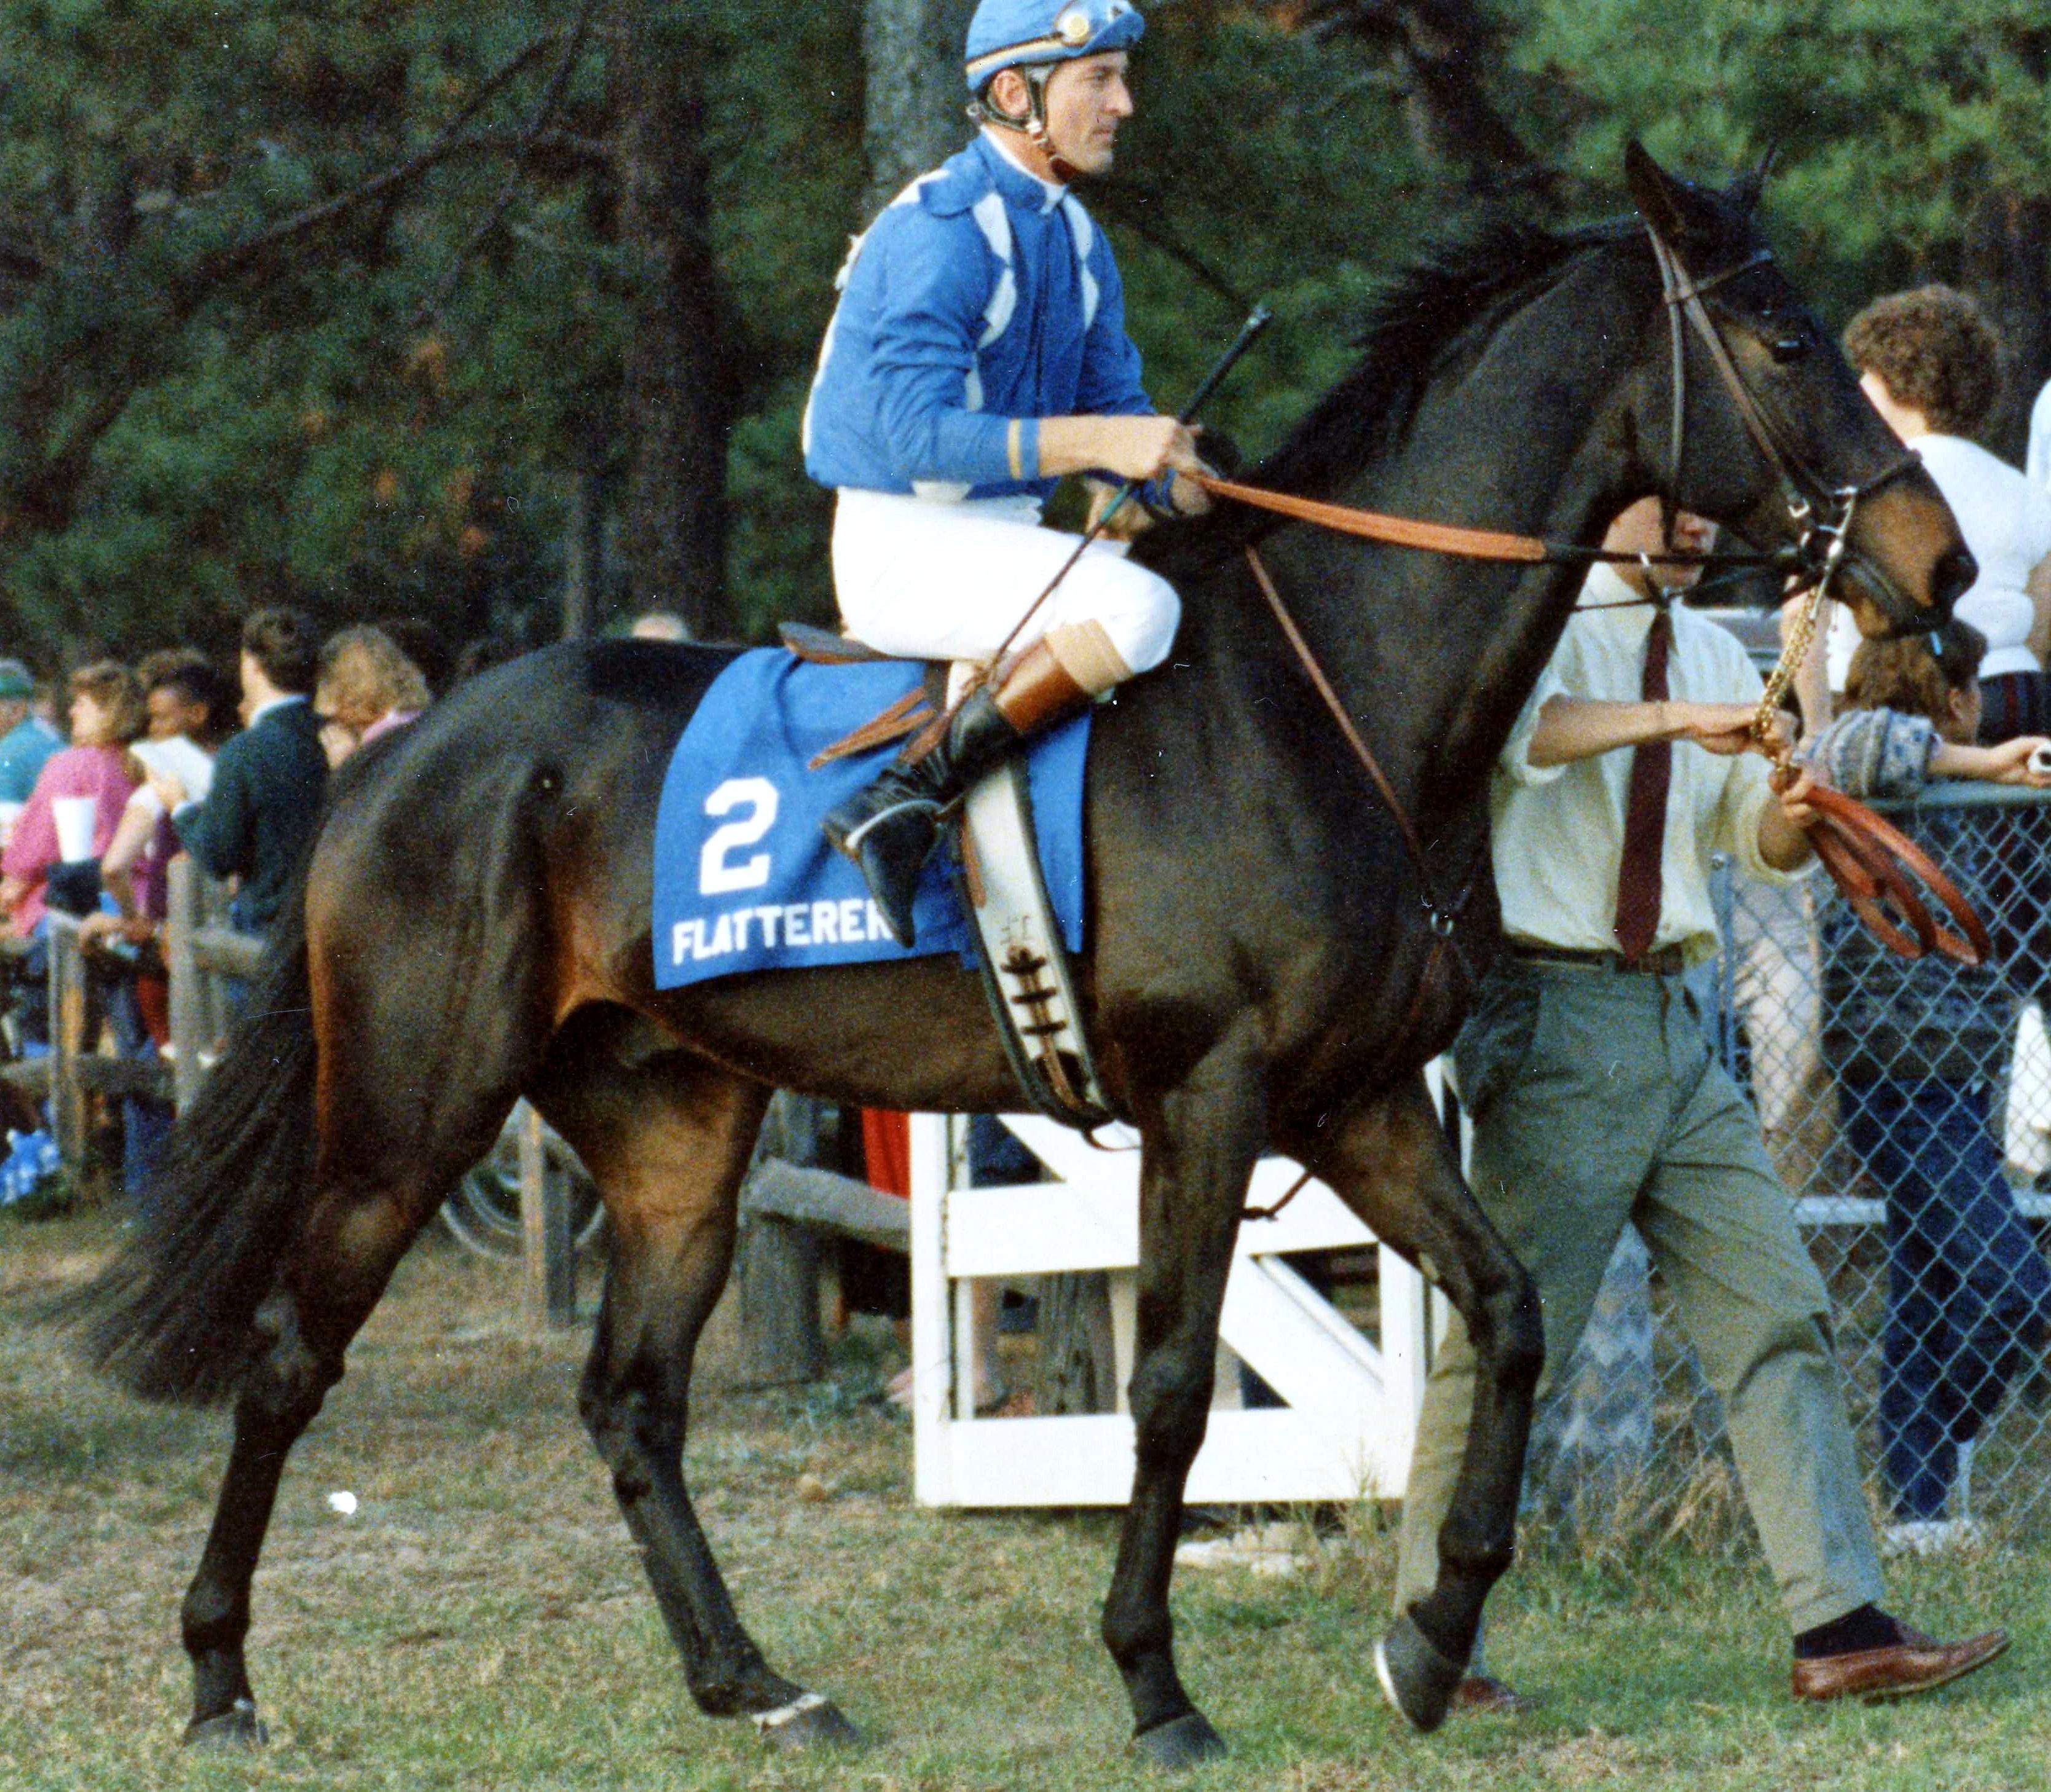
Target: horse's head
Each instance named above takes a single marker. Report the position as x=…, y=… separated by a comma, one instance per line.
x=1770, y=432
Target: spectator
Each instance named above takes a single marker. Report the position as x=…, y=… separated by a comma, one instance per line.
x=188, y=704
x=2036, y=468
x=1917, y=1046
x=106, y=714
x=186, y=698
x=366, y=688
x=1931, y=362
x=258, y=818
x=24, y=745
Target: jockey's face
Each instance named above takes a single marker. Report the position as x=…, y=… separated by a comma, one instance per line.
x=1087, y=100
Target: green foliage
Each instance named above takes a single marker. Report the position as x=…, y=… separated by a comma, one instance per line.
x=359, y=420
x=1893, y=120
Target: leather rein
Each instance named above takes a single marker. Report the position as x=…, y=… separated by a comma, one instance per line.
x=1870, y=861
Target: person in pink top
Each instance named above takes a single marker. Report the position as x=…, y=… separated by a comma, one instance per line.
x=106, y=713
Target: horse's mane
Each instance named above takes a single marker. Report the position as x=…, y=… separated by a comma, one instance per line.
x=1449, y=297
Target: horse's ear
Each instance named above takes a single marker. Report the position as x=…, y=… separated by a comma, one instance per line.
x=1745, y=191
x=1674, y=209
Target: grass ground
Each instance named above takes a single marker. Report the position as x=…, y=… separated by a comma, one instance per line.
x=480, y=1621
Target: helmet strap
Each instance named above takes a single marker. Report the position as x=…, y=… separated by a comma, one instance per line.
x=1032, y=122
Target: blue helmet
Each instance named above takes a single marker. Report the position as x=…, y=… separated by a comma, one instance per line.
x=1027, y=33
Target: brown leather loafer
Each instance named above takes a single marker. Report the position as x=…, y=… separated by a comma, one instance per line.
x=1478, y=1692
x=1914, y=1664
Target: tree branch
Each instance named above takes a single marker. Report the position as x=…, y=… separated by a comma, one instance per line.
x=551, y=97
x=214, y=269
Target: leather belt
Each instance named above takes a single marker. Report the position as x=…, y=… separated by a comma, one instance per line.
x=1661, y=961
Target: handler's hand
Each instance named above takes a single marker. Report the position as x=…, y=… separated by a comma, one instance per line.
x=170, y=788
x=1794, y=799
x=1724, y=728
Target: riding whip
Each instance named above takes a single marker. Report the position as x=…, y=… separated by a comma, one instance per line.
x=1257, y=320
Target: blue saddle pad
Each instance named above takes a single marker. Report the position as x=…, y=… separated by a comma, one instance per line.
x=744, y=881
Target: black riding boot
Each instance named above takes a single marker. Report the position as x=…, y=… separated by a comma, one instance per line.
x=890, y=829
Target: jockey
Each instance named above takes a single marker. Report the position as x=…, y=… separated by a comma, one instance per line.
x=978, y=352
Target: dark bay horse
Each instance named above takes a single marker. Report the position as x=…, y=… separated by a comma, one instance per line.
x=475, y=924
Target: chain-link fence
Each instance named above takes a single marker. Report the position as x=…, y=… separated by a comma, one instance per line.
x=1907, y=1108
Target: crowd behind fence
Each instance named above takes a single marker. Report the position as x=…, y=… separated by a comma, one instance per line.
x=1635, y=1422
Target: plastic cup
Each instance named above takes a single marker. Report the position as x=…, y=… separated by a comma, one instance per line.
x=74, y=818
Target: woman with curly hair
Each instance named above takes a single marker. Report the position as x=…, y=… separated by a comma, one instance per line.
x=1931, y=362
x=367, y=687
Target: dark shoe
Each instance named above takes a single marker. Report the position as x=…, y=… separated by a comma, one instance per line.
x=1916, y=1664
x=890, y=829
x=1482, y=1692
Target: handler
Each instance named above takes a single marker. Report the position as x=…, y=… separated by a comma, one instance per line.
x=1596, y=1100
x=978, y=352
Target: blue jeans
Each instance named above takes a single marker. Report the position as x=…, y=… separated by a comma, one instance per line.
x=1966, y=1288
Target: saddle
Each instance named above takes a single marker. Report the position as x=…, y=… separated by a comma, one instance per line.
x=1024, y=970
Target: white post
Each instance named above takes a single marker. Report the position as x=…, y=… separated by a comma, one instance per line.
x=932, y=1366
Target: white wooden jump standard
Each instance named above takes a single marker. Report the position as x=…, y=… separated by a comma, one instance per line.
x=1346, y=1433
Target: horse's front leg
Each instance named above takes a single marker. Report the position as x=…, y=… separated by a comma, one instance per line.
x=1391, y=1162
x=1201, y=1142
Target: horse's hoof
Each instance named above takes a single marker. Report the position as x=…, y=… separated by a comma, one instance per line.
x=1414, y=1677
x=809, y=1721
x=1181, y=1744
x=238, y=1728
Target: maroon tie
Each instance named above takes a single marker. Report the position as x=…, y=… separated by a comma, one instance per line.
x=1645, y=814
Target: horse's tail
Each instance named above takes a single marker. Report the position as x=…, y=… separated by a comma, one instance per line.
x=171, y=1316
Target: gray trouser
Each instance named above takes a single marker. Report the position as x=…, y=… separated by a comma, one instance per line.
x=1596, y=1102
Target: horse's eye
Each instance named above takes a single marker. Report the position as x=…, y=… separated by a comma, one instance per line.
x=1789, y=346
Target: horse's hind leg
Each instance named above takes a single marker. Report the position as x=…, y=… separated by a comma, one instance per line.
x=398, y=1116
x=333, y=1280
x=668, y=1142
x=1391, y=1163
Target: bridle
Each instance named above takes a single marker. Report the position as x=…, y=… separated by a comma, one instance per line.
x=1863, y=854
x=1820, y=513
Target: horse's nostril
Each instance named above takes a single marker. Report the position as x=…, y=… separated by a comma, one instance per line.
x=1953, y=578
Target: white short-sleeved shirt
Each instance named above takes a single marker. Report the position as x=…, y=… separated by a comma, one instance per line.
x=2036, y=469
x=1557, y=831
x=2006, y=519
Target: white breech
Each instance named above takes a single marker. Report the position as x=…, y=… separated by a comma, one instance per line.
x=933, y=581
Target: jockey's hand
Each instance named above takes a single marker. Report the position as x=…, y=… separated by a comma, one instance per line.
x=1131, y=519
x=1189, y=498
x=1131, y=448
